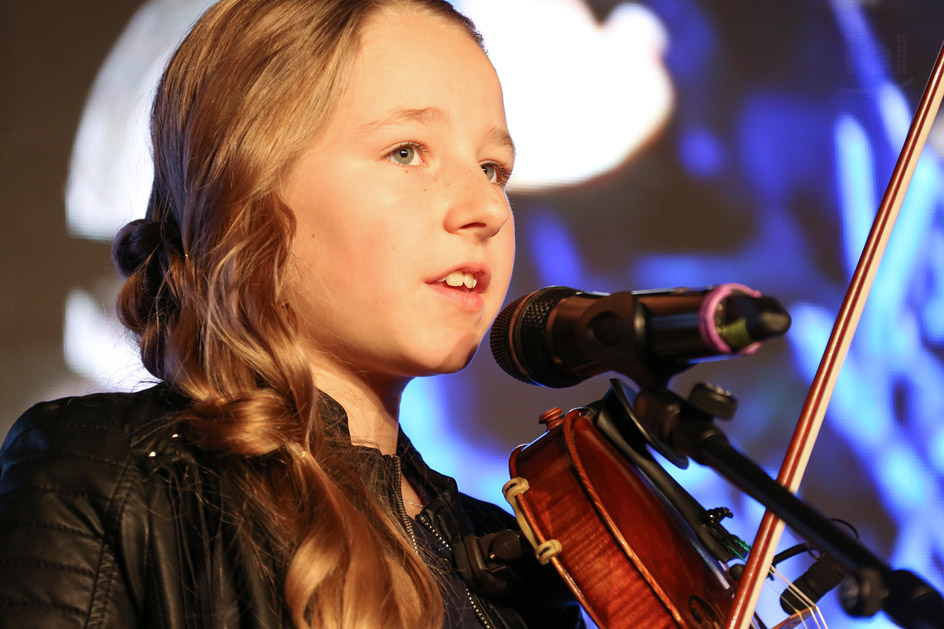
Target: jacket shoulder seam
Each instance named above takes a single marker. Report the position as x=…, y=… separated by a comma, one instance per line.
x=102, y=590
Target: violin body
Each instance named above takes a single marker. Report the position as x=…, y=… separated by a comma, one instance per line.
x=626, y=555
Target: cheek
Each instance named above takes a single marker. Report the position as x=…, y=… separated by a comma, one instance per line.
x=507, y=249
x=340, y=245
x=503, y=261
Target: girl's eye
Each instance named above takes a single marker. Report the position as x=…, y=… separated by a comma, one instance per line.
x=495, y=173
x=406, y=155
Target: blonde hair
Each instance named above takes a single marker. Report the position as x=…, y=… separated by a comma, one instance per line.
x=244, y=94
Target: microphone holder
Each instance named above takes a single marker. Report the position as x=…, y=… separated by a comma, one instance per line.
x=680, y=429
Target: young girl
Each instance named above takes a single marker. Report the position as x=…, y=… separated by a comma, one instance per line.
x=327, y=221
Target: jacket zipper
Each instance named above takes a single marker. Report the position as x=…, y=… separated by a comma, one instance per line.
x=405, y=521
x=401, y=508
x=422, y=519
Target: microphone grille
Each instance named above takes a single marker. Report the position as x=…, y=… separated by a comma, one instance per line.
x=518, y=338
x=500, y=340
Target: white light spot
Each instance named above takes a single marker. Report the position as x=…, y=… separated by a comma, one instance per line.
x=580, y=97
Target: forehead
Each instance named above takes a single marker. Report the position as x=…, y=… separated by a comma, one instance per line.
x=411, y=60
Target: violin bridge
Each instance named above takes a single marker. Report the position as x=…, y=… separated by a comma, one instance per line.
x=798, y=619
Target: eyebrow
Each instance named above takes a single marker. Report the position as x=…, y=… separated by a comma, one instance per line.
x=502, y=137
x=427, y=115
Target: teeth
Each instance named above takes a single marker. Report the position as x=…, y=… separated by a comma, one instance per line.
x=459, y=278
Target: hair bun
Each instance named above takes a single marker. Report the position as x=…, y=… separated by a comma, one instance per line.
x=135, y=243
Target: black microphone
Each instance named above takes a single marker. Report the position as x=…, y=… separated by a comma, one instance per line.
x=558, y=336
x=823, y=575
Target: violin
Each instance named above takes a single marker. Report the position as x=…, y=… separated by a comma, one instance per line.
x=590, y=485
x=587, y=498
x=573, y=488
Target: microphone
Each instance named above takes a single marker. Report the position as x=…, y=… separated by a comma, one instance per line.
x=559, y=336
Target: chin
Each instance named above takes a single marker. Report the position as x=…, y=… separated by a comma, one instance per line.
x=455, y=360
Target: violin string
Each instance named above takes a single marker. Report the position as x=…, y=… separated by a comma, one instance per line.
x=817, y=615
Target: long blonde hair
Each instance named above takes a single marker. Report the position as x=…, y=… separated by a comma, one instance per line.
x=244, y=94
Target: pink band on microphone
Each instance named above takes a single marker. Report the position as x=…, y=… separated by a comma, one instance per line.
x=706, y=318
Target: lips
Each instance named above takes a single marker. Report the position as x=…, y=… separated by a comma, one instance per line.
x=463, y=286
x=472, y=278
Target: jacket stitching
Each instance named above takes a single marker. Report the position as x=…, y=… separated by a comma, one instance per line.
x=17, y=602
x=56, y=490
x=148, y=569
x=48, y=564
x=43, y=425
x=36, y=524
x=102, y=590
x=108, y=568
x=59, y=455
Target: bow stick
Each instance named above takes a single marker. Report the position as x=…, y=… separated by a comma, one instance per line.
x=814, y=409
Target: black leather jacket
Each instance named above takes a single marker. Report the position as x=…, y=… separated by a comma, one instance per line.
x=108, y=520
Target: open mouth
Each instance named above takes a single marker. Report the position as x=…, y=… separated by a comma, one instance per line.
x=460, y=280
x=464, y=287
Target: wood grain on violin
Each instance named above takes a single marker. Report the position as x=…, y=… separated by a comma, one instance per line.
x=627, y=557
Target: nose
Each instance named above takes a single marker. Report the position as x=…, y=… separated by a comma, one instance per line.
x=477, y=206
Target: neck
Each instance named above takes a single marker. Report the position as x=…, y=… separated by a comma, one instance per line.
x=372, y=406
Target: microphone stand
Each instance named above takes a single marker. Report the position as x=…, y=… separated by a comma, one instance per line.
x=681, y=428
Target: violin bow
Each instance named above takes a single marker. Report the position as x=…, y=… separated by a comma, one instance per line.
x=814, y=409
